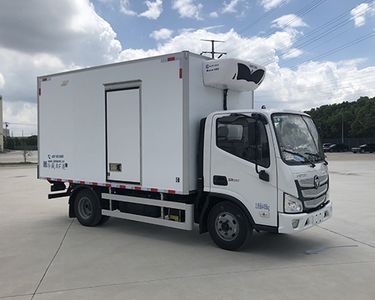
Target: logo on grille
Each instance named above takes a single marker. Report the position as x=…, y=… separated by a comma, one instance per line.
x=316, y=181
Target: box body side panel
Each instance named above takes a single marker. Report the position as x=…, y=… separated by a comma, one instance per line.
x=72, y=122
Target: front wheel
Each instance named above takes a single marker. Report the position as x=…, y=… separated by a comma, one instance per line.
x=228, y=226
x=87, y=208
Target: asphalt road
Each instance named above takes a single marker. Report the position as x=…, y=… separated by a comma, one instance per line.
x=46, y=255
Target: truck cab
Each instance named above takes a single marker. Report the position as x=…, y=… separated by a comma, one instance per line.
x=271, y=164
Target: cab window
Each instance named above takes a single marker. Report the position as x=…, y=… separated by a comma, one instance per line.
x=243, y=137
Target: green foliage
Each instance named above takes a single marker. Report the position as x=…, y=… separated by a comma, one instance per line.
x=358, y=118
x=21, y=143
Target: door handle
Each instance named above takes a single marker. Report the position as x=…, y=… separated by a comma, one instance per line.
x=220, y=180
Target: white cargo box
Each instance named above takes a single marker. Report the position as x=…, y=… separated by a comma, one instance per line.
x=130, y=125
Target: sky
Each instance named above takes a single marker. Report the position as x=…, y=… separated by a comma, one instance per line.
x=316, y=52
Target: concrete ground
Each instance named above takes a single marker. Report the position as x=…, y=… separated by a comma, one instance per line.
x=46, y=255
x=17, y=157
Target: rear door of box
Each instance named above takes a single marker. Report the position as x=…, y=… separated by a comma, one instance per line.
x=123, y=130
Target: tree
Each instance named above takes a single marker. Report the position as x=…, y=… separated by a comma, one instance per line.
x=358, y=118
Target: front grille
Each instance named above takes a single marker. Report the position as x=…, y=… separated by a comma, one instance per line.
x=313, y=198
x=315, y=202
x=313, y=193
x=309, y=182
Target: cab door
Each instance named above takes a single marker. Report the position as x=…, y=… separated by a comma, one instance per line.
x=243, y=164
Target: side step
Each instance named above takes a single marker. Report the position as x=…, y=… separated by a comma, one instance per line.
x=187, y=224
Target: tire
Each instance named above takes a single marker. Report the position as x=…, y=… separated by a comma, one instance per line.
x=87, y=208
x=228, y=226
x=103, y=220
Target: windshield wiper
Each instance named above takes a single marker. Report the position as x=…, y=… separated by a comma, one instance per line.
x=318, y=156
x=300, y=155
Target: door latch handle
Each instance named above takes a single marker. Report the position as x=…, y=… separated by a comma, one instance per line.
x=220, y=180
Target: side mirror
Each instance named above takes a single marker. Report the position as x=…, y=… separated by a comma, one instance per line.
x=263, y=175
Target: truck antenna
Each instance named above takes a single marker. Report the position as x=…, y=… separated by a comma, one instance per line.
x=213, y=52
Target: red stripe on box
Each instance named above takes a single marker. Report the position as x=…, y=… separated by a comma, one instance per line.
x=171, y=192
x=122, y=186
x=153, y=189
x=138, y=188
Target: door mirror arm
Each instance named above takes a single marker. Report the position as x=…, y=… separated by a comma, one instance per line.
x=263, y=175
x=256, y=145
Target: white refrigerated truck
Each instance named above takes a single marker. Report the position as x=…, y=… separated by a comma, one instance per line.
x=174, y=140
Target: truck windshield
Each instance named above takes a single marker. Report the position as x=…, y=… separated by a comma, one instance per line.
x=298, y=139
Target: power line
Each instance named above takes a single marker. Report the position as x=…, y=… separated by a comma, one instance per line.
x=267, y=13
x=311, y=48
x=325, y=87
x=326, y=95
x=319, y=36
x=300, y=13
x=364, y=78
x=324, y=33
x=332, y=21
x=327, y=90
x=336, y=22
x=340, y=48
x=303, y=11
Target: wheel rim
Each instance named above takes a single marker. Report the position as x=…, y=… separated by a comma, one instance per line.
x=85, y=208
x=226, y=226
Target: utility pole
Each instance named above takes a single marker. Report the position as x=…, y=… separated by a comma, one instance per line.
x=342, y=127
x=213, y=52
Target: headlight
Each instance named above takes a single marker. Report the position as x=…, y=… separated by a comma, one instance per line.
x=292, y=204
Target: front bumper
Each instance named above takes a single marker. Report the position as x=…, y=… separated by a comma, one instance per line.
x=289, y=223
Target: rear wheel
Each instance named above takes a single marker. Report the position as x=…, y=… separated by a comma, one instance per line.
x=228, y=226
x=87, y=208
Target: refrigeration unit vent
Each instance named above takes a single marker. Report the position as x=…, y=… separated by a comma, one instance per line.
x=232, y=74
